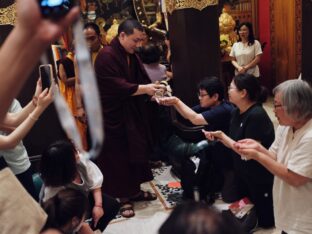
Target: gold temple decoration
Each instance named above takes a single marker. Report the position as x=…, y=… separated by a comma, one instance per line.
x=112, y=31
x=227, y=34
x=8, y=15
x=173, y=5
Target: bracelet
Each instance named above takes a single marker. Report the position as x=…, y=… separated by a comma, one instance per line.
x=98, y=205
x=34, y=101
x=32, y=117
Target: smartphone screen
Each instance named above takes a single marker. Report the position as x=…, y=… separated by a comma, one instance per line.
x=55, y=8
x=45, y=72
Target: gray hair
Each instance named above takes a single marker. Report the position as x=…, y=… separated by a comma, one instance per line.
x=297, y=98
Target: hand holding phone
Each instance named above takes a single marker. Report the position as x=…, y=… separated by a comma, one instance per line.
x=54, y=9
x=45, y=73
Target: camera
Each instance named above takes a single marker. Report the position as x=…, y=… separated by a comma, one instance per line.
x=55, y=9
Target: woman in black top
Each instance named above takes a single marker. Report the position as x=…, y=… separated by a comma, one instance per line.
x=249, y=120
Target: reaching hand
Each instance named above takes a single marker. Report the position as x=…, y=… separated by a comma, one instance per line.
x=30, y=21
x=247, y=143
x=249, y=148
x=213, y=136
x=169, y=101
x=219, y=136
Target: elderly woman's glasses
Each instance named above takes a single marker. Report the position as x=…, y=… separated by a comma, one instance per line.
x=277, y=105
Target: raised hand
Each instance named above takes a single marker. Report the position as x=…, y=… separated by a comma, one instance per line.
x=31, y=23
x=45, y=99
x=38, y=88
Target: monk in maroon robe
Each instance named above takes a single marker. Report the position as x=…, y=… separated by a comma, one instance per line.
x=125, y=91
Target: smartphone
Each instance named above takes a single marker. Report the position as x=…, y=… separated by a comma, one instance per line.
x=54, y=9
x=45, y=73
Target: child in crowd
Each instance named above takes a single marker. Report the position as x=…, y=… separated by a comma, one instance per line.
x=66, y=211
x=63, y=167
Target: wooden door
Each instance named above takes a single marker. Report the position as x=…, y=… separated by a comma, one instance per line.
x=286, y=39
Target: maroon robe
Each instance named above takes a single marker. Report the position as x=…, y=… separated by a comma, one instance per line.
x=128, y=141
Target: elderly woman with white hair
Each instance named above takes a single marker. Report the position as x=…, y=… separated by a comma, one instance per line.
x=289, y=157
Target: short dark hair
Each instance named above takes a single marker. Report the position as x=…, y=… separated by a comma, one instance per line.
x=129, y=25
x=93, y=26
x=252, y=85
x=58, y=164
x=64, y=206
x=251, y=36
x=212, y=85
x=150, y=53
x=198, y=218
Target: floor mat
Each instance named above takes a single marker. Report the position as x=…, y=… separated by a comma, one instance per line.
x=166, y=187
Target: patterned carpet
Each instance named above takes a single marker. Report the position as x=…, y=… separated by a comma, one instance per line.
x=150, y=215
x=167, y=188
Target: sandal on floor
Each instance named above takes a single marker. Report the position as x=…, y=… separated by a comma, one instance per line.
x=126, y=210
x=144, y=196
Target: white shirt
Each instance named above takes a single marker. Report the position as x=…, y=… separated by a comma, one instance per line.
x=293, y=205
x=90, y=175
x=244, y=54
x=17, y=157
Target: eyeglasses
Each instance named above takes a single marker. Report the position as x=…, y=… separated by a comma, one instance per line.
x=277, y=105
x=202, y=95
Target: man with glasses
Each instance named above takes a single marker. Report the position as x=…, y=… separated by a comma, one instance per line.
x=214, y=113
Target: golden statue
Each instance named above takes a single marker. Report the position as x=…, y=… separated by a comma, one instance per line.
x=227, y=34
x=112, y=31
x=8, y=15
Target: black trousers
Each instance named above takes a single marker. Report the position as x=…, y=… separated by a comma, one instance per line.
x=259, y=194
x=110, y=206
x=26, y=180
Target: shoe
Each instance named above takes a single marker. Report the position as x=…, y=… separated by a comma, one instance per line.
x=144, y=196
x=250, y=221
x=126, y=210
